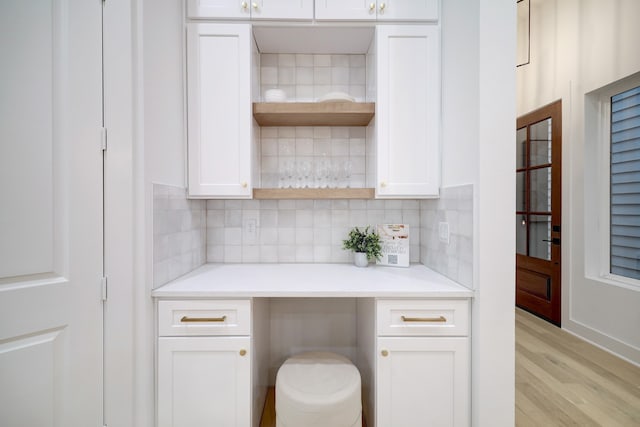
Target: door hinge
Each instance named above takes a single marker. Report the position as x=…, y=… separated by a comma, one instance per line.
x=104, y=288
x=103, y=138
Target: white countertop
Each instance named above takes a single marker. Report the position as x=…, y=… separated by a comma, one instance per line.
x=311, y=280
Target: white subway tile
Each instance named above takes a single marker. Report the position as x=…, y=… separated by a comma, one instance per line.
x=286, y=60
x=340, y=60
x=304, y=147
x=304, y=218
x=215, y=253
x=357, y=61
x=321, y=236
x=322, y=90
x=286, y=236
x=286, y=253
x=269, y=132
x=269, y=253
x=286, y=146
x=322, y=253
x=304, y=236
x=286, y=76
x=286, y=218
x=269, y=146
x=304, y=93
x=321, y=60
x=268, y=76
x=304, y=204
x=269, y=60
x=304, y=253
x=268, y=236
x=233, y=218
x=232, y=236
x=232, y=254
x=357, y=76
x=250, y=254
x=304, y=60
x=286, y=204
x=321, y=218
x=268, y=218
x=304, y=75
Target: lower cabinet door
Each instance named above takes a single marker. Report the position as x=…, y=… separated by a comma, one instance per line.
x=423, y=381
x=204, y=381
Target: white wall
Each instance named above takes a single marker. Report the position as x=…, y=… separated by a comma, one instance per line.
x=578, y=47
x=478, y=102
x=164, y=131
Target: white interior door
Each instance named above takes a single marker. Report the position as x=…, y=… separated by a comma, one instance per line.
x=50, y=213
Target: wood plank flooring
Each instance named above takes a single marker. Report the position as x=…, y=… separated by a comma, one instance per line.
x=564, y=381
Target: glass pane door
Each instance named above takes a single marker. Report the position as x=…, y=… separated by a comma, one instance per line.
x=533, y=190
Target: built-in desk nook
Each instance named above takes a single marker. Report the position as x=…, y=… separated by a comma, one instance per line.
x=225, y=329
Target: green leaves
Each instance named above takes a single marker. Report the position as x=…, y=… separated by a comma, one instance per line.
x=364, y=240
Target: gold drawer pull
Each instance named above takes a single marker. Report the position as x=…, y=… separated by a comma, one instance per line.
x=424, y=319
x=186, y=319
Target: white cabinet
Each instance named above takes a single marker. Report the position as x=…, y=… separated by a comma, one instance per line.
x=389, y=10
x=423, y=381
x=220, y=124
x=422, y=363
x=251, y=9
x=204, y=381
x=207, y=364
x=408, y=111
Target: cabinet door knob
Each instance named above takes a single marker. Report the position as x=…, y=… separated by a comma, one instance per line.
x=383, y=184
x=243, y=352
x=244, y=5
x=254, y=5
x=372, y=7
x=384, y=353
x=244, y=184
x=382, y=6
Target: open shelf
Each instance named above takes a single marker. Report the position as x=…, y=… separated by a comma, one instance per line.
x=313, y=113
x=313, y=193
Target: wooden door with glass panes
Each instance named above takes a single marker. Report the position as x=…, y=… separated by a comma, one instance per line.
x=538, y=211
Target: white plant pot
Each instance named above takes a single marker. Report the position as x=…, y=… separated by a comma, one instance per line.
x=360, y=259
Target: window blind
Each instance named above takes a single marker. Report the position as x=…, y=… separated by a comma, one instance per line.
x=625, y=184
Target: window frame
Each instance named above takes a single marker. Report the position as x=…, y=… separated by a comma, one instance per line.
x=597, y=183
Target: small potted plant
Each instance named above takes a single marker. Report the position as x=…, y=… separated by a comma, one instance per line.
x=365, y=243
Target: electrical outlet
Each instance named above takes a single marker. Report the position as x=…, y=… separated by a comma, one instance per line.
x=249, y=231
x=443, y=232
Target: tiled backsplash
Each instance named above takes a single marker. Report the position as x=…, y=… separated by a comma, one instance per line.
x=188, y=233
x=313, y=147
x=455, y=259
x=299, y=230
x=305, y=78
x=179, y=233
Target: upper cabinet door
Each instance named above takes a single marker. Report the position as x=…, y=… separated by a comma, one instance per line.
x=407, y=10
x=282, y=9
x=346, y=10
x=251, y=9
x=234, y=9
x=382, y=10
x=219, y=110
x=408, y=111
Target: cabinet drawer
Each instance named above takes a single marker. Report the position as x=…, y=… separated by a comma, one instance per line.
x=422, y=317
x=216, y=317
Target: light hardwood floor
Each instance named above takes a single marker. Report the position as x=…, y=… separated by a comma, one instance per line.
x=562, y=380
